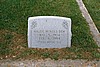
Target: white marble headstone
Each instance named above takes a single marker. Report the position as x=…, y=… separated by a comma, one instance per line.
x=49, y=32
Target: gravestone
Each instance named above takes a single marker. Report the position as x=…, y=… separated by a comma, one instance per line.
x=49, y=32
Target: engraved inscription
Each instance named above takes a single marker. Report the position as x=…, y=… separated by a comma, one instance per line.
x=49, y=36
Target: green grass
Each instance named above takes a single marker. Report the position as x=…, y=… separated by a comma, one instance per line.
x=13, y=30
x=93, y=7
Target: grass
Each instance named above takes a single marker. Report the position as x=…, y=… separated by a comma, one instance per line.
x=13, y=30
x=93, y=7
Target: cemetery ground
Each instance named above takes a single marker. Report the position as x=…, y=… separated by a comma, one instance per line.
x=13, y=30
x=93, y=7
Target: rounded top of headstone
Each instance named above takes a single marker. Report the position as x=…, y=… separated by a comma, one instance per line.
x=54, y=17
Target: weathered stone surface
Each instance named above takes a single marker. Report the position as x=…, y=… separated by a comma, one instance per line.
x=49, y=32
